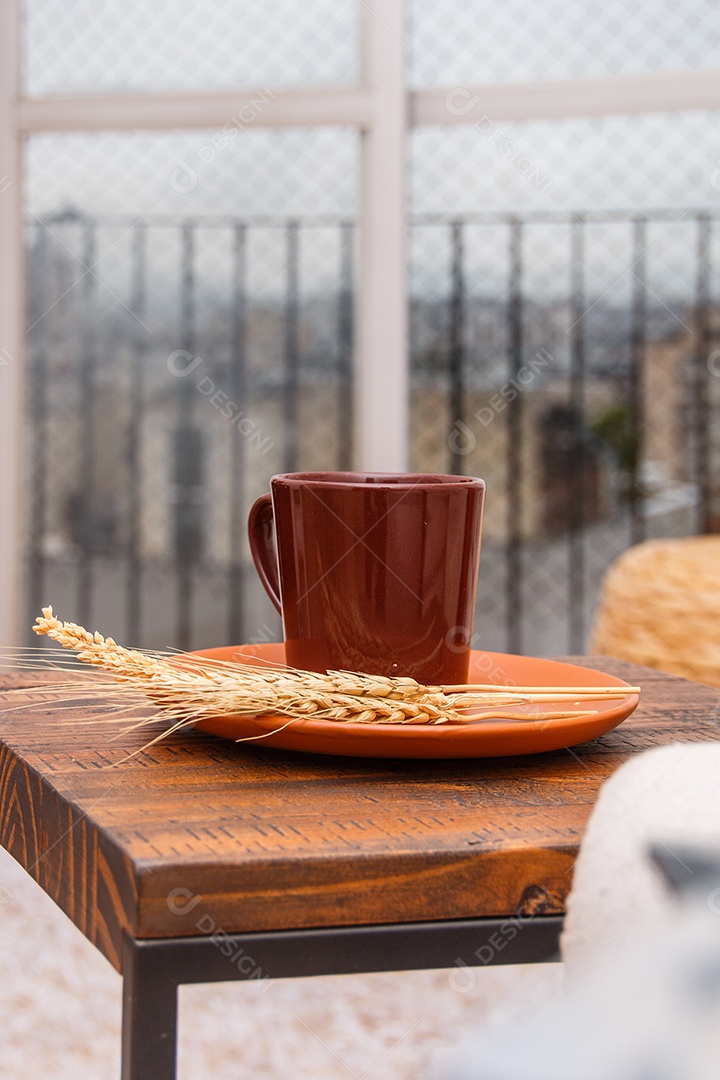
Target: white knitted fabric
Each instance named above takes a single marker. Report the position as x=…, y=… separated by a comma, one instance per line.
x=668, y=795
x=642, y=967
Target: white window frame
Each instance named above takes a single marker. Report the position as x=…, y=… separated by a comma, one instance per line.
x=12, y=334
x=382, y=109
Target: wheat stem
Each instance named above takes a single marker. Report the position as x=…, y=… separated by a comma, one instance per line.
x=186, y=688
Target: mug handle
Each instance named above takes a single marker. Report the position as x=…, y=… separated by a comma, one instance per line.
x=262, y=546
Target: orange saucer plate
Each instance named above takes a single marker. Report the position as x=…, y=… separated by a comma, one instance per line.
x=485, y=739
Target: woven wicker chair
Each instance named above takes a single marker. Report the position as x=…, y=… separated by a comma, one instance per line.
x=660, y=606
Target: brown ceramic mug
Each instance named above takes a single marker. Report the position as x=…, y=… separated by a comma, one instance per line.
x=373, y=572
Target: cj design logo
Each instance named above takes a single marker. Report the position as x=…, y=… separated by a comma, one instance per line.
x=182, y=363
x=461, y=978
x=181, y=901
x=459, y=639
x=459, y=101
x=461, y=439
x=715, y=176
x=183, y=178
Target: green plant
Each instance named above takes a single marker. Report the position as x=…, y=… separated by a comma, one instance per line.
x=617, y=427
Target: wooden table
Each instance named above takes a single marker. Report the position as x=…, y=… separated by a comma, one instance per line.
x=205, y=861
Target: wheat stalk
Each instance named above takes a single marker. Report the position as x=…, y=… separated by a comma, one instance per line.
x=195, y=686
x=188, y=688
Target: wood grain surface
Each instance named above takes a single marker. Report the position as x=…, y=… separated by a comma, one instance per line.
x=199, y=835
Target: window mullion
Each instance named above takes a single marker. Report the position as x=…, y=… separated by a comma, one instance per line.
x=381, y=385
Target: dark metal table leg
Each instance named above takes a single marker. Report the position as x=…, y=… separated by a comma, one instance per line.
x=154, y=968
x=149, y=1017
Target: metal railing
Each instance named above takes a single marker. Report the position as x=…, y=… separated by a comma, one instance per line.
x=529, y=327
x=175, y=365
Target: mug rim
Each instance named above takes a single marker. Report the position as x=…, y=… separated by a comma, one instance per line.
x=384, y=481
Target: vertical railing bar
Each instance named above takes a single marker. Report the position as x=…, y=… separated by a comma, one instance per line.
x=456, y=357
x=134, y=567
x=291, y=352
x=86, y=470
x=238, y=390
x=513, y=564
x=638, y=334
x=185, y=411
x=700, y=412
x=38, y=406
x=576, y=532
x=345, y=347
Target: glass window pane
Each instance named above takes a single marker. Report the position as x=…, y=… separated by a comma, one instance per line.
x=183, y=346
x=93, y=46
x=292, y=172
x=564, y=276
x=633, y=163
x=476, y=41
